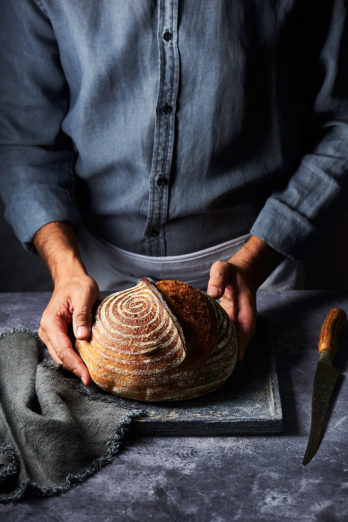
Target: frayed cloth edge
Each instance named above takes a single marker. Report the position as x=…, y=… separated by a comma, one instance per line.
x=10, y=331
x=28, y=488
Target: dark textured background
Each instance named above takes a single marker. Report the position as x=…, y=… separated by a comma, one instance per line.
x=21, y=271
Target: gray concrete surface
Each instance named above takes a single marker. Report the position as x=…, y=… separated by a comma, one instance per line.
x=244, y=478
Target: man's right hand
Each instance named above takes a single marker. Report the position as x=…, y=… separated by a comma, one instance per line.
x=71, y=302
x=73, y=297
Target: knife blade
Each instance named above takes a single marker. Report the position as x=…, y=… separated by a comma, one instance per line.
x=325, y=378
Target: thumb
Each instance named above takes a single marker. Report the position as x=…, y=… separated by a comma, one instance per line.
x=82, y=319
x=220, y=273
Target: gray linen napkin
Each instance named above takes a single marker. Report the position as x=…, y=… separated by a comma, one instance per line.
x=54, y=433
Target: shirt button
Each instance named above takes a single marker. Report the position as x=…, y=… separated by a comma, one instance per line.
x=167, y=109
x=154, y=232
x=162, y=180
x=167, y=36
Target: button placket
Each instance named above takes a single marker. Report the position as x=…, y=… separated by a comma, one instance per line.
x=164, y=127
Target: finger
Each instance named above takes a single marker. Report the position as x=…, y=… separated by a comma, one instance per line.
x=246, y=322
x=49, y=346
x=59, y=343
x=82, y=315
x=229, y=301
x=71, y=360
x=220, y=273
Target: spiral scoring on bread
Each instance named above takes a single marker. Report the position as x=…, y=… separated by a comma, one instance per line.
x=133, y=334
x=133, y=317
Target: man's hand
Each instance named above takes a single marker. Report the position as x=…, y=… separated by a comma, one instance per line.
x=72, y=300
x=233, y=284
x=236, y=281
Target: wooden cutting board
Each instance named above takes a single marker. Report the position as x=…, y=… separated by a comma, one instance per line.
x=248, y=403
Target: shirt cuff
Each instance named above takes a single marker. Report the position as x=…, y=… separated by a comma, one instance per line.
x=35, y=209
x=285, y=230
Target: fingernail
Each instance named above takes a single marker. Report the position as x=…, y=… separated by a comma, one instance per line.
x=82, y=331
x=214, y=291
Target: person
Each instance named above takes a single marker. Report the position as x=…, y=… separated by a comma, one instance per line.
x=204, y=141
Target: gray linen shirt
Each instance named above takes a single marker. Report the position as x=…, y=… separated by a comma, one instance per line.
x=168, y=126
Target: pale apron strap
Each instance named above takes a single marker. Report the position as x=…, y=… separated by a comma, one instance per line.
x=116, y=269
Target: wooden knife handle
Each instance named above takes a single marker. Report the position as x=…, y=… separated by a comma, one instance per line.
x=332, y=326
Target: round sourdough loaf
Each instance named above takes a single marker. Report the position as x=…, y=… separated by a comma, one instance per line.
x=160, y=342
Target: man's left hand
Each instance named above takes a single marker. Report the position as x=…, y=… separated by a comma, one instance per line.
x=232, y=284
x=235, y=283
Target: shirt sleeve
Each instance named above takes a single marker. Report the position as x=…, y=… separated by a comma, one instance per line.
x=296, y=218
x=36, y=157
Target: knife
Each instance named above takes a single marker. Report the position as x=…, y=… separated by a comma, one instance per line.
x=325, y=378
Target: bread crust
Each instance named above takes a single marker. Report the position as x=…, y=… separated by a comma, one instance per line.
x=160, y=342
x=196, y=316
